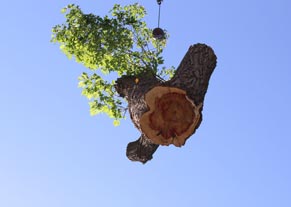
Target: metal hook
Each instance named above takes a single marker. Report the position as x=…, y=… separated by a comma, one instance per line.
x=159, y=2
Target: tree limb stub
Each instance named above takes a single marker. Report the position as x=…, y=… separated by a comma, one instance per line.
x=141, y=150
x=167, y=112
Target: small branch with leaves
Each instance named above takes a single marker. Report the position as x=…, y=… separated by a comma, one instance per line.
x=119, y=43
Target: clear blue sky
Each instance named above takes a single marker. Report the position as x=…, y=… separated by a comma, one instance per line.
x=54, y=154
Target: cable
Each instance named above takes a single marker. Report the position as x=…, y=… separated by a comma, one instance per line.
x=159, y=15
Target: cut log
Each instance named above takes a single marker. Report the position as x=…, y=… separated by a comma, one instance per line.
x=167, y=112
x=172, y=117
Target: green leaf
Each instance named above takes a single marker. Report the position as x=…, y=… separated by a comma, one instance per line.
x=64, y=10
x=116, y=122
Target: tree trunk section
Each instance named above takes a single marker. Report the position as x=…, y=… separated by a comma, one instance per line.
x=167, y=112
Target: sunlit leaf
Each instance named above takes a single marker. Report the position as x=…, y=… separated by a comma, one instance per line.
x=119, y=43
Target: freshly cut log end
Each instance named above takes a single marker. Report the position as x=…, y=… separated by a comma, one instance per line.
x=172, y=116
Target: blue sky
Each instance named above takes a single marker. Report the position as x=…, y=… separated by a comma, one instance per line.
x=53, y=153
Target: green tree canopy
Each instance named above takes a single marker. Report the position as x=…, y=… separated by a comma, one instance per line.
x=120, y=43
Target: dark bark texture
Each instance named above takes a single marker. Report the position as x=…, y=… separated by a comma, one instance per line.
x=192, y=75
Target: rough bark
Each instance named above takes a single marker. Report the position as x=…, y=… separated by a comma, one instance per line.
x=192, y=76
x=141, y=150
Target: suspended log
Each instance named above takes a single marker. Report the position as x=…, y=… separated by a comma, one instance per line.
x=167, y=112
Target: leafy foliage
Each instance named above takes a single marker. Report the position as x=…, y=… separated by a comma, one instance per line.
x=120, y=43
